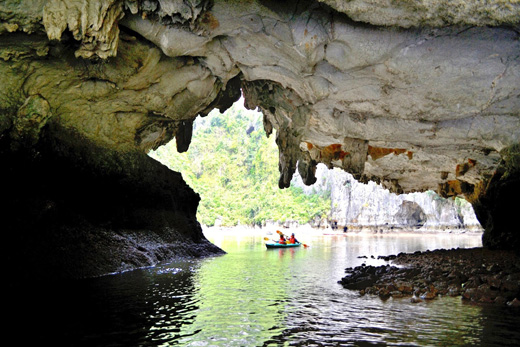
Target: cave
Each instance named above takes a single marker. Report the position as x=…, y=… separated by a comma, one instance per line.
x=412, y=97
x=410, y=214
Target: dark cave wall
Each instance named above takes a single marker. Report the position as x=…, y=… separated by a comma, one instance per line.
x=79, y=210
x=497, y=207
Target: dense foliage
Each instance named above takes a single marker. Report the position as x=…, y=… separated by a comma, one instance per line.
x=233, y=165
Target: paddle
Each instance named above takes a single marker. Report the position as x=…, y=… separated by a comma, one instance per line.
x=280, y=233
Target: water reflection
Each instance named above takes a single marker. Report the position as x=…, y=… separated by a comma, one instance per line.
x=295, y=293
x=242, y=298
x=257, y=297
x=172, y=302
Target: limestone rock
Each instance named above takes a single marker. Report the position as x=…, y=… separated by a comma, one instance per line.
x=410, y=13
x=94, y=23
x=430, y=274
x=24, y=16
x=414, y=95
x=76, y=210
x=370, y=207
x=29, y=121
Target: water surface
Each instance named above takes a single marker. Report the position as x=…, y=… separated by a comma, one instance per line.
x=257, y=297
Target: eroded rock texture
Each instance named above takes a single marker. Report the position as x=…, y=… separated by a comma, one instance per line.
x=413, y=94
x=475, y=274
x=76, y=210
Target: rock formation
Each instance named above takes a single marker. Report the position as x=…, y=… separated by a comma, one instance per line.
x=84, y=211
x=415, y=95
x=370, y=207
x=475, y=274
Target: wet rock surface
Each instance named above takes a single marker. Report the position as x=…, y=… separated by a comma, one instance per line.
x=76, y=210
x=476, y=275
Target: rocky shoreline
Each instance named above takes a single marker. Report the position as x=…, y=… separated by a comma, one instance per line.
x=476, y=275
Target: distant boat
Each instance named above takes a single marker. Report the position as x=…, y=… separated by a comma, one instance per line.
x=281, y=245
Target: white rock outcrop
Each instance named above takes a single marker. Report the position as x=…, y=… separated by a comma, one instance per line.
x=370, y=207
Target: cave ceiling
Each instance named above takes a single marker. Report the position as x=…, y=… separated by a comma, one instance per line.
x=415, y=95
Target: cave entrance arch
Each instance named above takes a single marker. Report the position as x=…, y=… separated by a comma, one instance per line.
x=233, y=165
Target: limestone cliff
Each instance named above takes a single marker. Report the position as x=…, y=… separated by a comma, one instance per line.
x=414, y=95
x=370, y=207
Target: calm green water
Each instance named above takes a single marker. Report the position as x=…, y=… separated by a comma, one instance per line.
x=258, y=297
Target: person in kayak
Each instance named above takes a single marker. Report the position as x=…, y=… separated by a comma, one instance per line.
x=282, y=240
x=292, y=239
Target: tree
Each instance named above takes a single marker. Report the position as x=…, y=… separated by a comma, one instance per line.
x=233, y=166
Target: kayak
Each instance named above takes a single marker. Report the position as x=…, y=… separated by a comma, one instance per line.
x=281, y=245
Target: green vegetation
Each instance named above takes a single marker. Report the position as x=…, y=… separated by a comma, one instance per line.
x=233, y=165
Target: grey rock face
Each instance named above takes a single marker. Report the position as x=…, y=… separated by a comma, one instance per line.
x=370, y=207
x=407, y=106
x=413, y=13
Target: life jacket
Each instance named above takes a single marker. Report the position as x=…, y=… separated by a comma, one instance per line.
x=292, y=239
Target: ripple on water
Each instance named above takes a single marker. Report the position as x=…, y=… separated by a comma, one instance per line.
x=254, y=297
x=292, y=298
